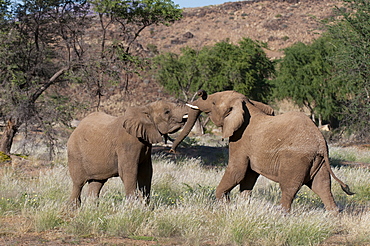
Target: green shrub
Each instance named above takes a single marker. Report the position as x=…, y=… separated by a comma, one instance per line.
x=4, y=157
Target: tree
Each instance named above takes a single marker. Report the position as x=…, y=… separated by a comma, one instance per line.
x=178, y=73
x=305, y=76
x=331, y=75
x=31, y=42
x=115, y=60
x=243, y=67
x=351, y=31
x=44, y=46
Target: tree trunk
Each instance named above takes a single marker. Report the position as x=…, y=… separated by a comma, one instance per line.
x=320, y=120
x=6, y=140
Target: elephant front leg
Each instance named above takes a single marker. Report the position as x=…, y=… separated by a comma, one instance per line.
x=144, y=178
x=234, y=174
x=128, y=174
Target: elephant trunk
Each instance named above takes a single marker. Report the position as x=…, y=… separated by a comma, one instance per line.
x=192, y=117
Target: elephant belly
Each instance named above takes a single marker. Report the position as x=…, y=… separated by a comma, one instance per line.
x=283, y=164
x=270, y=174
x=100, y=168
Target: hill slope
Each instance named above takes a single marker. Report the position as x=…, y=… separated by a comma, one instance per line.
x=278, y=23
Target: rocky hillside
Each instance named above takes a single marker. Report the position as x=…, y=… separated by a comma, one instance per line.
x=278, y=23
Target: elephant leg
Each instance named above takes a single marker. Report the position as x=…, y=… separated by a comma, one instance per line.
x=128, y=168
x=248, y=182
x=75, y=198
x=321, y=185
x=130, y=183
x=95, y=187
x=291, y=180
x=144, y=178
x=234, y=174
x=287, y=195
x=78, y=177
x=128, y=174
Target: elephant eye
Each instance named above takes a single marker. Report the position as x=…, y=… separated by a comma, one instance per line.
x=167, y=111
x=228, y=112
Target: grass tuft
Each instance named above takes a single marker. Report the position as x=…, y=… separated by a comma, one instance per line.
x=183, y=207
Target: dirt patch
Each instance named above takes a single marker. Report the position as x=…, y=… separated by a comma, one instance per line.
x=56, y=238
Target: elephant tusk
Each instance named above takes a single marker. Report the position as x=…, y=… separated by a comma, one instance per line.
x=185, y=116
x=192, y=106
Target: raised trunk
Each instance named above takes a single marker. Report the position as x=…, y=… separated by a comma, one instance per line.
x=192, y=117
x=6, y=140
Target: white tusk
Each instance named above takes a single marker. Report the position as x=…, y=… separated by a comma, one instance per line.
x=192, y=106
x=185, y=116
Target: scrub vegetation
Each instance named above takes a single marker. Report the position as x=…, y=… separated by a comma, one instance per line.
x=183, y=209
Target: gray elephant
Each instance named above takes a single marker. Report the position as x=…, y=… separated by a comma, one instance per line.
x=288, y=148
x=104, y=146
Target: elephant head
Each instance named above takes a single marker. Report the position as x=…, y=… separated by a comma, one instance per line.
x=227, y=109
x=155, y=120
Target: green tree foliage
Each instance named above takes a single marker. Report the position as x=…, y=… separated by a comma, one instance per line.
x=331, y=75
x=304, y=75
x=351, y=30
x=243, y=67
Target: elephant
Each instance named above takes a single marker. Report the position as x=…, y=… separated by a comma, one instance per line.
x=288, y=148
x=104, y=146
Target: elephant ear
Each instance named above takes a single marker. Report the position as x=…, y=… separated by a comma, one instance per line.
x=234, y=118
x=263, y=107
x=138, y=122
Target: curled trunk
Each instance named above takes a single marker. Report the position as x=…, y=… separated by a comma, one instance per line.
x=192, y=117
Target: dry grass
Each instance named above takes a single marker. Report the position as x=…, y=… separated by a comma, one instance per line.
x=183, y=209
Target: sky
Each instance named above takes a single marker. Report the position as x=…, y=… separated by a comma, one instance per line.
x=199, y=3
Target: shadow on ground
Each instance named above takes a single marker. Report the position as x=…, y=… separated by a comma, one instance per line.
x=210, y=156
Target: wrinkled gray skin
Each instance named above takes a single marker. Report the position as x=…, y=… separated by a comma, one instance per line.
x=104, y=146
x=288, y=148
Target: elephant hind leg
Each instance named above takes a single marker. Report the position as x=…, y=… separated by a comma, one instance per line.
x=291, y=177
x=321, y=185
x=95, y=187
x=288, y=193
x=75, y=198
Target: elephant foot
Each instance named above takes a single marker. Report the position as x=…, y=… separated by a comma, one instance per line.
x=73, y=204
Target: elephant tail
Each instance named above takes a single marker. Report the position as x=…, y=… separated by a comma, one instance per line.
x=344, y=186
